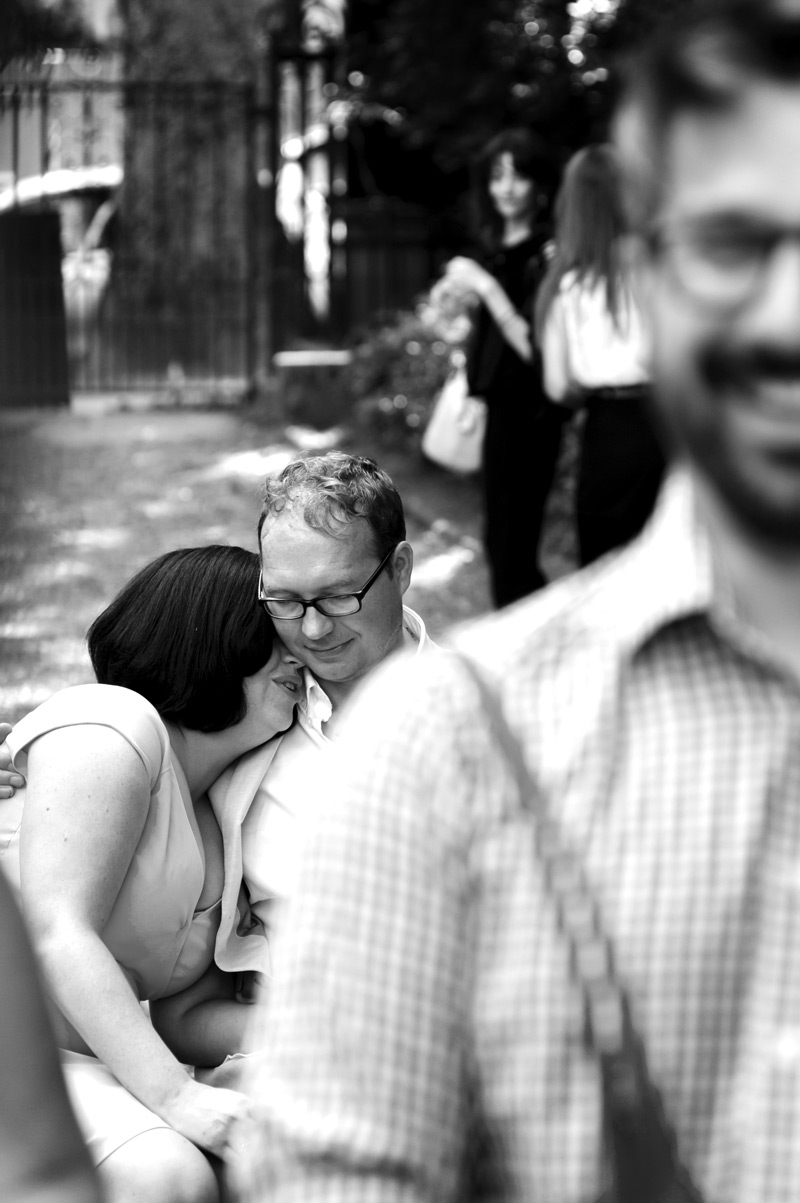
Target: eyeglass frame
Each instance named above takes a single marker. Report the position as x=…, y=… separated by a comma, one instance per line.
x=313, y=602
x=766, y=237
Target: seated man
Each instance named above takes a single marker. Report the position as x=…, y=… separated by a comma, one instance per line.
x=335, y=565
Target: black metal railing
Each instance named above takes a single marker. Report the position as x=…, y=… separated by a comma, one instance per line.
x=153, y=185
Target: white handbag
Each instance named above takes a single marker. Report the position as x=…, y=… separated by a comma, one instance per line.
x=453, y=437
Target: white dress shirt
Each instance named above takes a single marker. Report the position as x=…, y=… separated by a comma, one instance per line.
x=261, y=802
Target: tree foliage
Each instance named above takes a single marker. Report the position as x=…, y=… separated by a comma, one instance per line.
x=450, y=74
x=447, y=74
x=28, y=28
x=191, y=40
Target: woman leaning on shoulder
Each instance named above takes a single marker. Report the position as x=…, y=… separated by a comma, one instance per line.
x=118, y=858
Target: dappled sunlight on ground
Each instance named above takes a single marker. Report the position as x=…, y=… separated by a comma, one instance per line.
x=98, y=536
x=86, y=500
x=442, y=567
x=255, y=464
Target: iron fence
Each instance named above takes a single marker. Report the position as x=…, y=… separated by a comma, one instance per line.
x=203, y=227
x=154, y=188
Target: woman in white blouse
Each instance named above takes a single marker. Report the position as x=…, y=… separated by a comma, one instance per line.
x=595, y=354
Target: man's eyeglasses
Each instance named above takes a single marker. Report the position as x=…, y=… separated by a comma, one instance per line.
x=721, y=263
x=337, y=606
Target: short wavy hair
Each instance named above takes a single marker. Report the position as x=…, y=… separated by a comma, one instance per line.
x=699, y=61
x=335, y=489
x=184, y=633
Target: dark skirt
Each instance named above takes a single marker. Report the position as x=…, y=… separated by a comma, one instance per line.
x=523, y=437
x=620, y=470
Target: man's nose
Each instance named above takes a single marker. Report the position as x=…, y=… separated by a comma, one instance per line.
x=777, y=312
x=315, y=625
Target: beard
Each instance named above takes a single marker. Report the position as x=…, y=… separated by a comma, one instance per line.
x=757, y=481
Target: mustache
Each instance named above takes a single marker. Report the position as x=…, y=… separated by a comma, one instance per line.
x=727, y=365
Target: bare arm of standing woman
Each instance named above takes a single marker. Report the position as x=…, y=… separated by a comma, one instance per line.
x=469, y=275
x=87, y=801
x=42, y=1156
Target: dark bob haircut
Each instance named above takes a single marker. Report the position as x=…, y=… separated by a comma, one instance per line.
x=184, y=633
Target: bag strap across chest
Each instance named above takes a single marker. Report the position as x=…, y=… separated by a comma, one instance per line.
x=640, y=1142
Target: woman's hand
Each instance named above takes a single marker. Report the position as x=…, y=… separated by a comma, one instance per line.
x=10, y=780
x=468, y=275
x=206, y=1115
x=464, y=274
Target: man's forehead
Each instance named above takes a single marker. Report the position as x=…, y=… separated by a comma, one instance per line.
x=295, y=552
x=745, y=157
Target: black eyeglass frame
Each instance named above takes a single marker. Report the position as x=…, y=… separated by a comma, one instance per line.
x=716, y=283
x=315, y=603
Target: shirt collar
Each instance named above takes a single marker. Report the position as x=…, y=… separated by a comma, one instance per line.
x=315, y=708
x=415, y=627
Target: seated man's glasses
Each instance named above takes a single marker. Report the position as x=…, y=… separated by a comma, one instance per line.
x=721, y=261
x=337, y=606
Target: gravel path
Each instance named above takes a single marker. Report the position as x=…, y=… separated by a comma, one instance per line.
x=86, y=499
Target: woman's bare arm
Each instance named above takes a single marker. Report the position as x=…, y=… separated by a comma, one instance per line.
x=513, y=326
x=87, y=802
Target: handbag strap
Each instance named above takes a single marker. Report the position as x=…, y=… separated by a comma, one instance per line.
x=639, y=1138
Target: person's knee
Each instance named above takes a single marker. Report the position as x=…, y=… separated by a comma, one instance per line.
x=159, y=1167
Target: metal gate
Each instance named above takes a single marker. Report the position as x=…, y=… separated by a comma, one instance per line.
x=338, y=262
x=154, y=185
x=204, y=227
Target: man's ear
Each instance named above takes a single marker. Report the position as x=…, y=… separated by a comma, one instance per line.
x=403, y=564
x=637, y=258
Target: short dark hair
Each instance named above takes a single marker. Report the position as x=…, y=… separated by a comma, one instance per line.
x=184, y=632
x=699, y=61
x=335, y=489
x=531, y=158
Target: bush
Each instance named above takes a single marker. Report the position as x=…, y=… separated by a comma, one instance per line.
x=398, y=368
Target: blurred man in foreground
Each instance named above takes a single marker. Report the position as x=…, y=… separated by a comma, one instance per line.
x=42, y=1156
x=544, y=940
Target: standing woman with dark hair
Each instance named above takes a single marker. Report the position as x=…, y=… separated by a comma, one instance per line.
x=118, y=859
x=595, y=354
x=523, y=430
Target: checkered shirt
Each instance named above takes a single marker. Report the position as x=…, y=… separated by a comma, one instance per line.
x=423, y=1036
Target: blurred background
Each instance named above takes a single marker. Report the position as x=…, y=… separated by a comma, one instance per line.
x=192, y=188
x=219, y=224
